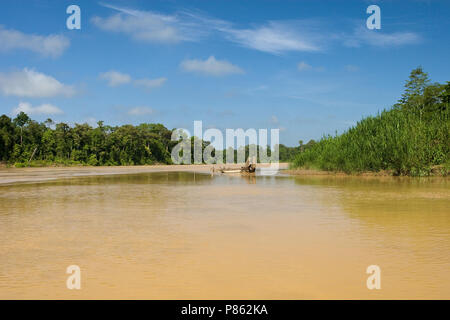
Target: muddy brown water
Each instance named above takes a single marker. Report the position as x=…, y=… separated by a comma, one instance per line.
x=184, y=235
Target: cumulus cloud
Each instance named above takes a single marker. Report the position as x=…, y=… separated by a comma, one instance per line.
x=32, y=84
x=52, y=45
x=43, y=109
x=140, y=111
x=115, y=78
x=211, y=67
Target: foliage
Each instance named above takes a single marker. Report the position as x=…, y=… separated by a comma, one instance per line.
x=28, y=143
x=412, y=138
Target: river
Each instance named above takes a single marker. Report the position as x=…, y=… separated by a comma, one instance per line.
x=185, y=235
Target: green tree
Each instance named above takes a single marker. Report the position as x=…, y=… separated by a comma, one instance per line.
x=415, y=85
x=21, y=120
x=6, y=137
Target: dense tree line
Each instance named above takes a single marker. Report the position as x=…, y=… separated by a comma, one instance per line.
x=412, y=138
x=26, y=142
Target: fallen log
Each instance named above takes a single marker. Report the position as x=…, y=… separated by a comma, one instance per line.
x=247, y=168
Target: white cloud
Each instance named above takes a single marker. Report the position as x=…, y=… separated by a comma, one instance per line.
x=52, y=45
x=46, y=108
x=150, y=83
x=115, y=78
x=392, y=39
x=210, y=66
x=380, y=38
x=148, y=26
x=274, y=37
x=32, y=84
x=140, y=111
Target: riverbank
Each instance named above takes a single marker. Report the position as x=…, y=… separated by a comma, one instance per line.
x=26, y=175
x=436, y=171
x=313, y=172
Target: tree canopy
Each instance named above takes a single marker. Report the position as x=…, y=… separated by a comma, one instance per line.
x=22, y=138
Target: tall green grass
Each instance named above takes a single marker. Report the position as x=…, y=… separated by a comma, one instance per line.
x=402, y=140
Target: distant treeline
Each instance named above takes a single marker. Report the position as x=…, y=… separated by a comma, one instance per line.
x=25, y=142
x=412, y=138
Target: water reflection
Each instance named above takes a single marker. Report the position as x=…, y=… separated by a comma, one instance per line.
x=185, y=235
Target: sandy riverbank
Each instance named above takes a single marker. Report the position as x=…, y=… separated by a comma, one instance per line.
x=22, y=175
x=313, y=172
x=437, y=172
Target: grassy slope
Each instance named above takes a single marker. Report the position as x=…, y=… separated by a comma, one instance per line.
x=397, y=140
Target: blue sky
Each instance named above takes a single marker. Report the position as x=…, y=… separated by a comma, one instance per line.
x=307, y=67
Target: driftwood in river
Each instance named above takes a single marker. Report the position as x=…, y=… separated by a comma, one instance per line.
x=249, y=167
